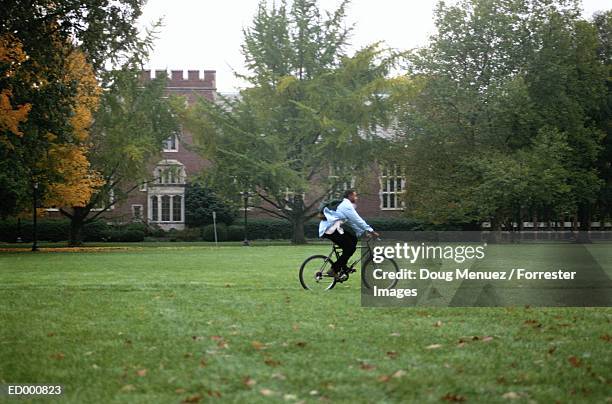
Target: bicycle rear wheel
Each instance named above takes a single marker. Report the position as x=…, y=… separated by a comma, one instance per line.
x=313, y=273
x=368, y=279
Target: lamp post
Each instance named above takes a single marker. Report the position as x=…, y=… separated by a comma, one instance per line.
x=245, y=196
x=34, y=228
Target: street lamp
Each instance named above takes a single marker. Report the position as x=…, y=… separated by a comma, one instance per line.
x=245, y=196
x=34, y=228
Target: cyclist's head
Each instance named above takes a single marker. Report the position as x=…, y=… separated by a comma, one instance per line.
x=351, y=195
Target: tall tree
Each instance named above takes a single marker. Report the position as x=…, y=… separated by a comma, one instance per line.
x=504, y=84
x=48, y=33
x=603, y=116
x=133, y=120
x=311, y=109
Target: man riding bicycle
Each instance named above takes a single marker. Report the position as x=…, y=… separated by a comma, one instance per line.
x=331, y=228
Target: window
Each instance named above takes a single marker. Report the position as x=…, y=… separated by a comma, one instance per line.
x=176, y=208
x=340, y=184
x=137, y=212
x=171, y=144
x=165, y=208
x=154, y=209
x=391, y=188
x=169, y=172
x=290, y=198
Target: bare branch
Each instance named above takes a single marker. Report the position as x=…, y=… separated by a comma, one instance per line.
x=272, y=212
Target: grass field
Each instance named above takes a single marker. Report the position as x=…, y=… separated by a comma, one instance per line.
x=199, y=323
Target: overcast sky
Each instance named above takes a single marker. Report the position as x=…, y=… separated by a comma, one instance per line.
x=206, y=35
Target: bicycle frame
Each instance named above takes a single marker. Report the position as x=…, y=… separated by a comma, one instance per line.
x=368, y=254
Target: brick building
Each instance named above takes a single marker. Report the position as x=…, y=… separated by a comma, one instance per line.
x=162, y=201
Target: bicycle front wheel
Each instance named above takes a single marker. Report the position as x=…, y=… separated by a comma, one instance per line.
x=387, y=282
x=313, y=273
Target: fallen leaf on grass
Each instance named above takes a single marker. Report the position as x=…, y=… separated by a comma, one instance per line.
x=295, y=327
x=367, y=366
x=332, y=326
x=203, y=363
x=272, y=362
x=195, y=398
x=213, y=393
x=278, y=376
x=266, y=392
x=223, y=345
x=398, y=373
x=392, y=354
x=394, y=334
x=187, y=355
x=551, y=350
x=384, y=378
x=300, y=344
x=51, y=334
x=258, y=345
x=511, y=395
x=142, y=372
x=313, y=392
x=575, y=362
x=128, y=387
x=290, y=397
x=433, y=346
x=487, y=339
x=453, y=397
x=179, y=391
x=438, y=324
x=216, y=337
x=58, y=356
x=196, y=338
x=606, y=337
x=247, y=381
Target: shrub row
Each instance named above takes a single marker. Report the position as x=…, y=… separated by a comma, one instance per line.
x=59, y=230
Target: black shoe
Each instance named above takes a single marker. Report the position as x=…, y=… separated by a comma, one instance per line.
x=335, y=272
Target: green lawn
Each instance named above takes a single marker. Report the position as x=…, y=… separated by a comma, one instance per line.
x=231, y=323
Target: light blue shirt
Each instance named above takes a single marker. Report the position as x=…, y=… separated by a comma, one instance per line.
x=345, y=212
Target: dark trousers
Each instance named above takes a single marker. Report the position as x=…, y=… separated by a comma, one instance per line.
x=348, y=243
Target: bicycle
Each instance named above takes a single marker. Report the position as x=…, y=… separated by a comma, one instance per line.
x=313, y=271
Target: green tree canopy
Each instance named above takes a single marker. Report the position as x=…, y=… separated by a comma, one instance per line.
x=311, y=109
x=500, y=125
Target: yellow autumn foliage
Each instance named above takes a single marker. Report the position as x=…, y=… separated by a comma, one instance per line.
x=87, y=96
x=11, y=56
x=79, y=181
x=69, y=160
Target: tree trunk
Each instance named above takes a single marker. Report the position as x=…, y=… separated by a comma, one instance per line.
x=76, y=232
x=495, y=236
x=298, y=230
x=77, y=221
x=584, y=216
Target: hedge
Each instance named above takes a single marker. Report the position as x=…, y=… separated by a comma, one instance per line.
x=208, y=232
x=188, y=234
x=235, y=233
x=282, y=229
x=59, y=230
